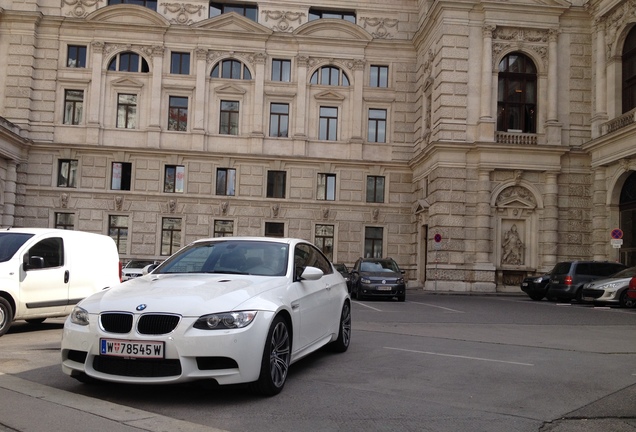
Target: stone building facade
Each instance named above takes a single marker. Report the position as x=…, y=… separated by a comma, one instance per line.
x=475, y=142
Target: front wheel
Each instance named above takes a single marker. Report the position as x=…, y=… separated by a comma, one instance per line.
x=276, y=358
x=536, y=297
x=344, y=332
x=6, y=316
x=627, y=302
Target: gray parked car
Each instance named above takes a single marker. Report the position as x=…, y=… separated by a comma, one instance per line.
x=612, y=290
x=567, y=278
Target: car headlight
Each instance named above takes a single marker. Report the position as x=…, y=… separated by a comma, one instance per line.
x=79, y=316
x=610, y=286
x=400, y=281
x=225, y=320
x=538, y=280
x=365, y=280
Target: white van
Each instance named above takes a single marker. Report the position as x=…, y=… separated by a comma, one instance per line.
x=44, y=272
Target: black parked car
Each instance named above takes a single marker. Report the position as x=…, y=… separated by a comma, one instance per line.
x=567, y=278
x=536, y=286
x=344, y=271
x=377, y=277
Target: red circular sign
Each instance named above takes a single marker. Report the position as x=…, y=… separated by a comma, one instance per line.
x=438, y=238
x=617, y=233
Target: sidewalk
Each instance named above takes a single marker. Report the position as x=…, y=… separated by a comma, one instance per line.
x=51, y=410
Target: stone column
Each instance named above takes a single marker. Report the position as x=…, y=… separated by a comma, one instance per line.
x=198, y=116
x=155, y=91
x=600, y=228
x=8, y=215
x=484, y=234
x=300, y=131
x=600, y=107
x=553, y=34
x=357, y=103
x=96, y=83
x=486, y=73
x=259, y=110
x=549, y=225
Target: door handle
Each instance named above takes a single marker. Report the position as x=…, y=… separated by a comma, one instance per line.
x=66, y=276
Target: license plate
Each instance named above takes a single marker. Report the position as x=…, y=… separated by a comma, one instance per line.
x=133, y=349
x=385, y=288
x=524, y=284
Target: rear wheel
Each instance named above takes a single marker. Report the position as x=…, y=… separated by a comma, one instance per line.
x=6, y=316
x=344, y=333
x=627, y=302
x=276, y=357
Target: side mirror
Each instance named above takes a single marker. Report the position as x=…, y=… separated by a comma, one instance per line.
x=149, y=268
x=35, y=262
x=311, y=273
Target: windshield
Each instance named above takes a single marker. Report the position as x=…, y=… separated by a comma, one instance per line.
x=244, y=257
x=628, y=272
x=379, y=266
x=10, y=243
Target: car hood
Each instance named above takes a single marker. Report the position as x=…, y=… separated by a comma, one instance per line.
x=380, y=275
x=187, y=295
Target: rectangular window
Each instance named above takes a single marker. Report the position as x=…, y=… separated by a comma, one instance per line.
x=64, y=221
x=248, y=11
x=226, y=181
x=150, y=4
x=375, y=189
x=126, y=111
x=324, y=239
x=223, y=228
x=229, y=118
x=73, y=106
x=315, y=14
x=328, y=126
x=178, y=114
x=118, y=231
x=274, y=229
x=121, y=174
x=67, y=173
x=278, y=120
x=180, y=63
x=281, y=70
x=174, y=178
x=373, y=242
x=276, y=184
x=379, y=76
x=326, y=187
x=76, y=56
x=170, y=235
x=377, y=125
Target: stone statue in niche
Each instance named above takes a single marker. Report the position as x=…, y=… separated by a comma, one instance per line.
x=512, y=247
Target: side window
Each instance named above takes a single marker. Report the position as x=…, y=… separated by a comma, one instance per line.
x=307, y=255
x=584, y=269
x=51, y=250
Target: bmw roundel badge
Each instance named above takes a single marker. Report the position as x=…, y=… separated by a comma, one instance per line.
x=141, y=307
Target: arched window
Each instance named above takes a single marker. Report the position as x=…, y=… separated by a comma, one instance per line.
x=628, y=220
x=128, y=61
x=629, y=71
x=231, y=69
x=517, y=94
x=330, y=75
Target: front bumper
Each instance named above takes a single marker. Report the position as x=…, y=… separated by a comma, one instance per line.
x=226, y=356
x=601, y=295
x=382, y=290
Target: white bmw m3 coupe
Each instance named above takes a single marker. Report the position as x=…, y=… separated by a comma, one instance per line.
x=230, y=309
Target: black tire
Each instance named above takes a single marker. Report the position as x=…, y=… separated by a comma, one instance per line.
x=6, y=316
x=359, y=295
x=276, y=358
x=401, y=298
x=344, y=333
x=627, y=302
x=35, y=321
x=536, y=297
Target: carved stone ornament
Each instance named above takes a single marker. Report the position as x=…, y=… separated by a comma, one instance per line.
x=507, y=38
x=275, y=210
x=64, y=200
x=79, y=8
x=623, y=15
x=223, y=207
x=516, y=196
x=182, y=11
x=283, y=19
x=379, y=27
x=512, y=247
x=376, y=214
x=172, y=206
x=325, y=213
x=119, y=201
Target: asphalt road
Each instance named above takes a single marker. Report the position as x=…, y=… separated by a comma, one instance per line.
x=434, y=363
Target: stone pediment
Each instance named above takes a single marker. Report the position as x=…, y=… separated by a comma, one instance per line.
x=332, y=28
x=329, y=95
x=230, y=89
x=127, y=82
x=234, y=23
x=128, y=14
x=517, y=197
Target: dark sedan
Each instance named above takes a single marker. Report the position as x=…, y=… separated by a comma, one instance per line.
x=377, y=277
x=536, y=286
